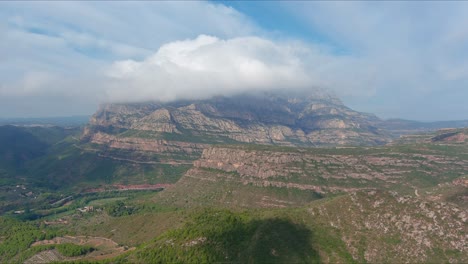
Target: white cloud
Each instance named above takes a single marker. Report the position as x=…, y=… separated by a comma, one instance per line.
x=54, y=52
x=207, y=66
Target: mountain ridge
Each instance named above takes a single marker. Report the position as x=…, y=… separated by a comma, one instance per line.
x=260, y=119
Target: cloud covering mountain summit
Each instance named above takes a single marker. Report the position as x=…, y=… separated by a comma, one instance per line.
x=208, y=66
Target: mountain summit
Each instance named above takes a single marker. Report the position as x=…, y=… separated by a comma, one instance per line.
x=270, y=118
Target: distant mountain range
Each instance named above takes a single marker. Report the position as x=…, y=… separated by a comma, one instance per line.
x=46, y=121
x=402, y=126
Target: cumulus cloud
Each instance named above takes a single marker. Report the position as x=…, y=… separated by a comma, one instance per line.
x=52, y=55
x=207, y=66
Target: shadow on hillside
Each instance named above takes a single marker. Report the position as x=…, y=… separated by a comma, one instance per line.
x=227, y=237
x=279, y=241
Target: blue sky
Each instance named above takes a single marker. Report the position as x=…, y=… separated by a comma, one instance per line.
x=395, y=59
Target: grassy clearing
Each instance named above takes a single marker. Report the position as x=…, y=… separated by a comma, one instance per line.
x=102, y=202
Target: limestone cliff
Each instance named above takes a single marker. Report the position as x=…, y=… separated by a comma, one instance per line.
x=323, y=170
x=319, y=120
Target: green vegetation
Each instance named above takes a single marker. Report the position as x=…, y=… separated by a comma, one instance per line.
x=102, y=202
x=72, y=250
x=223, y=236
x=118, y=208
x=68, y=166
x=361, y=210
x=18, y=236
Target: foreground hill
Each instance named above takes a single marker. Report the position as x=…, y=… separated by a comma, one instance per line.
x=360, y=227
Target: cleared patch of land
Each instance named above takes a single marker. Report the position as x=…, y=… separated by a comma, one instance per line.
x=102, y=202
x=105, y=248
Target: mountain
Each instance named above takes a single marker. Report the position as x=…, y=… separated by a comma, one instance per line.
x=442, y=136
x=402, y=126
x=20, y=145
x=317, y=120
x=65, y=121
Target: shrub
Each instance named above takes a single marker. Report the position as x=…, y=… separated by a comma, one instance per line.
x=72, y=250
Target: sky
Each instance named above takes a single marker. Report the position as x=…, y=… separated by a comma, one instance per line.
x=394, y=59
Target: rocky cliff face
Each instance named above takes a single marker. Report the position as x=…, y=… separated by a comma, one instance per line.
x=327, y=171
x=320, y=120
x=140, y=144
x=267, y=176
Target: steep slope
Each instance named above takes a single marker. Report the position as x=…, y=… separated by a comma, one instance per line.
x=262, y=119
x=380, y=227
x=455, y=136
x=359, y=227
x=215, y=236
x=20, y=145
x=17, y=146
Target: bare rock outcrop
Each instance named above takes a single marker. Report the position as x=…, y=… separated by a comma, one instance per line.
x=266, y=119
x=149, y=145
x=323, y=170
